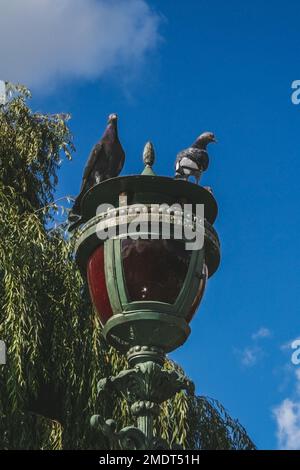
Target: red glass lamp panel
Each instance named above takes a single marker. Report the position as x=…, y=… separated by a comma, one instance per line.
x=97, y=284
x=154, y=270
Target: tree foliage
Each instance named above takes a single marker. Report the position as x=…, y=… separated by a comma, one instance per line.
x=55, y=351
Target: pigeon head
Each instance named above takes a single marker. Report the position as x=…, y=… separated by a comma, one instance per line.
x=111, y=131
x=204, y=139
x=112, y=118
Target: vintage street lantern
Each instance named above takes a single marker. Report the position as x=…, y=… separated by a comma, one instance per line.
x=146, y=280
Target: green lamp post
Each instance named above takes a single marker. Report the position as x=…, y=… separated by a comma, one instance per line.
x=146, y=281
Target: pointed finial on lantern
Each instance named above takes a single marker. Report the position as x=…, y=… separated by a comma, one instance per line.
x=148, y=159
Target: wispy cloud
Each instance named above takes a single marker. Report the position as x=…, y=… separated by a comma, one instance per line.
x=45, y=41
x=287, y=416
x=253, y=353
x=261, y=333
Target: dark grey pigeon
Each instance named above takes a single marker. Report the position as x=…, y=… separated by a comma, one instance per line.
x=194, y=160
x=105, y=161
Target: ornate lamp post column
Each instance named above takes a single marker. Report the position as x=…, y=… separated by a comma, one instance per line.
x=145, y=288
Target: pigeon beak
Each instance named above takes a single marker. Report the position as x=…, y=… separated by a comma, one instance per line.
x=214, y=140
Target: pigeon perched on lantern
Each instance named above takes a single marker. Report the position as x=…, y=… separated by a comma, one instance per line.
x=105, y=161
x=193, y=160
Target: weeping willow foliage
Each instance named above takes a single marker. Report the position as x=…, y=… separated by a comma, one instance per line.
x=55, y=351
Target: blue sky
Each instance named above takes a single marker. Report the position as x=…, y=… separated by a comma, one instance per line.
x=172, y=70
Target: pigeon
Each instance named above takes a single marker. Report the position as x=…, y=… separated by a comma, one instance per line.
x=105, y=161
x=194, y=160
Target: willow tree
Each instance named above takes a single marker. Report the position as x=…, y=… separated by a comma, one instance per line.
x=55, y=352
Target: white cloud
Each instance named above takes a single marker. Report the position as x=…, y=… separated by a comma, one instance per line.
x=287, y=416
x=45, y=41
x=261, y=333
x=251, y=355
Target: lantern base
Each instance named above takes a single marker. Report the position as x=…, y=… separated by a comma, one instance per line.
x=146, y=384
x=148, y=328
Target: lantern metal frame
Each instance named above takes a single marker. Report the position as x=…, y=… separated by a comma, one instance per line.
x=145, y=330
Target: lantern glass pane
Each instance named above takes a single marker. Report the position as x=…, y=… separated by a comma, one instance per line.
x=199, y=294
x=97, y=284
x=154, y=270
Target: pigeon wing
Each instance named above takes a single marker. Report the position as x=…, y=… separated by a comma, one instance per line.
x=189, y=164
x=96, y=157
x=199, y=156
